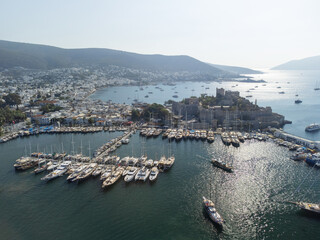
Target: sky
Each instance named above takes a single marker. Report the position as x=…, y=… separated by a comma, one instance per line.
x=249, y=33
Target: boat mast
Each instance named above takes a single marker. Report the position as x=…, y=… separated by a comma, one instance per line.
x=72, y=142
x=89, y=151
x=81, y=147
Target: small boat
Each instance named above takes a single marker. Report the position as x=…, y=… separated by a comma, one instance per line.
x=98, y=171
x=41, y=168
x=235, y=142
x=52, y=166
x=311, y=208
x=154, y=174
x=222, y=165
x=76, y=172
x=62, y=169
x=107, y=173
x=297, y=101
x=168, y=164
x=86, y=172
x=113, y=178
x=149, y=163
x=281, y=92
x=143, y=174
x=131, y=174
x=212, y=212
x=312, y=127
x=125, y=141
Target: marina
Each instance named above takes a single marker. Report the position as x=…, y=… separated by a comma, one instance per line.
x=194, y=170
x=253, y=176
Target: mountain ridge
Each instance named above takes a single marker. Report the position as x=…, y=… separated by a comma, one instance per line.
x=235, y=69
x=309, y=63
x=36, y=56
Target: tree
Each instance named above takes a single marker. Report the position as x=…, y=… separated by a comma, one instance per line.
x=91, y=120
x=155, y=111
x=135, y=115
x=12, y=99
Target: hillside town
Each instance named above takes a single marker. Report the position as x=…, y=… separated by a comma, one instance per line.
x=60, y=97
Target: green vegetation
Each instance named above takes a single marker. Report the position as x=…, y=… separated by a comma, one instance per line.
x=155, y=111
x=8, y=116
x=135, y=115
x=50, y=108
x=12, y=99
x=238, y=103
x=207, y=101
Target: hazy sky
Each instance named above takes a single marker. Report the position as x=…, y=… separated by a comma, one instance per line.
x=249, y=33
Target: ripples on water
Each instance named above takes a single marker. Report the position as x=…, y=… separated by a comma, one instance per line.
x=250, y=199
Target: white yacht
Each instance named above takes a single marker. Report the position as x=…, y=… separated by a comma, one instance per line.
x=98, y=171
x=149, y=163
x=125, y=141
x=154, y=174
x=131, y=174
x=107, y=172
x=113, y=178
x=76, y=172
x=312, y=127
x=126, y=170
x=132, y=161
x=169, y=162
x=86, y=172
x=62, y=169
x=52, y=166
x=143, y=174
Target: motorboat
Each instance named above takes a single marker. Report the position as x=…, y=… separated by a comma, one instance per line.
x=212, y=212
x=76, y=172
x=61, y=169
x=131, y=174
x=98, y=171
x=312, y=127
x=113, y=178
x=154, y=174
x=143, y=174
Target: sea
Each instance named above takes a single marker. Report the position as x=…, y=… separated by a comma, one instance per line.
x=252, y=199
x=292, y=83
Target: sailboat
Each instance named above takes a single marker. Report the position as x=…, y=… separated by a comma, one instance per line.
x=212, y=211
x=317, y=86
x=311, y=208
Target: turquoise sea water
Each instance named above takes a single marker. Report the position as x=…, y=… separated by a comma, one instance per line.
x=250, y=199
x=291, y=82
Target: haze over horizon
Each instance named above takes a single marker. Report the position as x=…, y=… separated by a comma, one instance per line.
x=240, y=33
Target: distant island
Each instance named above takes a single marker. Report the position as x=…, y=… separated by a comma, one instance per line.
x=310, y=63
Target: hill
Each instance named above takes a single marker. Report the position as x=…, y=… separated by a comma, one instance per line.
x=236, y=70
x=35, y=56
x=310, y=63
